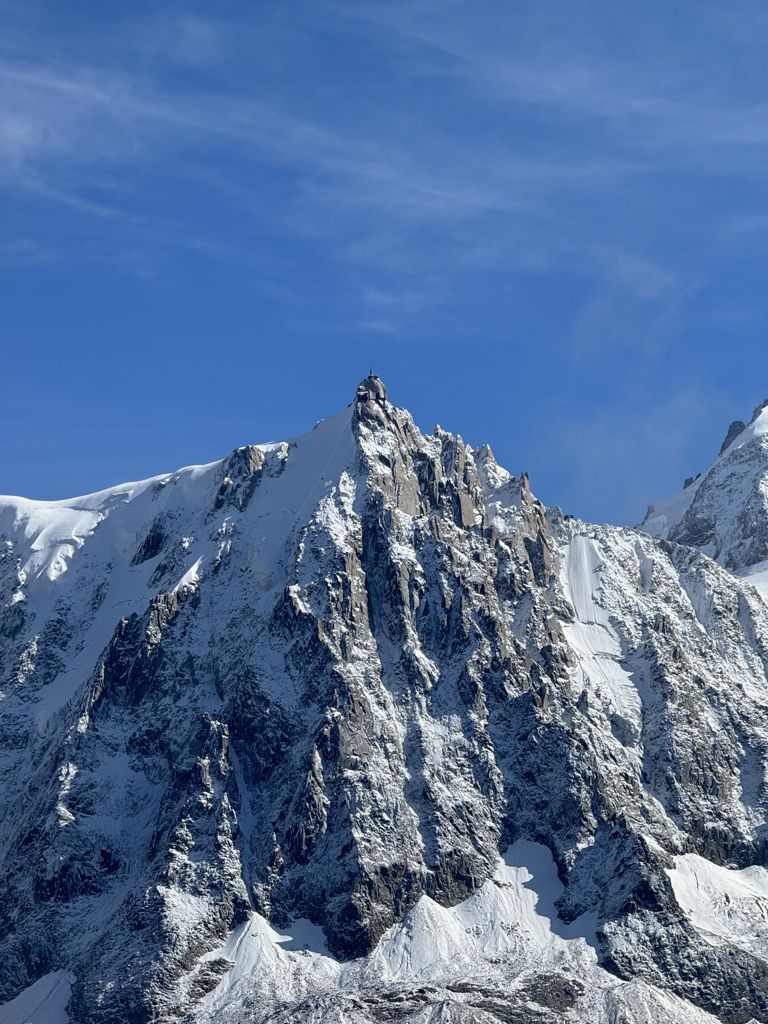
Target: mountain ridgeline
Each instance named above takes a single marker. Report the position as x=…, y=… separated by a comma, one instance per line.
x=353, y=729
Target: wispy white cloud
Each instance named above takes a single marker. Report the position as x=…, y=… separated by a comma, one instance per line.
x=380, y=325
x=189, y=40
x=403, y=300
x=654, y=102
x=559, y=137
x=21, y=251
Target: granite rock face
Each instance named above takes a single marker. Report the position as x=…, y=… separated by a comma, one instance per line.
x=331, y=682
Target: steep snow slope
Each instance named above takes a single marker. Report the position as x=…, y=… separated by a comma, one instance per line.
x=593, y=638
x=326, y=681
x=724, y=904
x=45, y=1002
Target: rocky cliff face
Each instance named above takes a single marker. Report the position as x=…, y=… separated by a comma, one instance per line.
x=353, y=728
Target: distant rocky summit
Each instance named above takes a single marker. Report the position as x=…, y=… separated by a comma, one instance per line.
x=724, y=511
x=352, y=729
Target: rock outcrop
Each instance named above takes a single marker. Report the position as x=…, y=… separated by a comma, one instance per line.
x=331, y=682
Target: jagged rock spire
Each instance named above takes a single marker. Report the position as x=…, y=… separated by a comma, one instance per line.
x=330, y=680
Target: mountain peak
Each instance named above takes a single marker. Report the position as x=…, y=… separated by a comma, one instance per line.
x=371, y=389
x=351, y=725
x=724, y=510
x=758, y=413
x=732, y=433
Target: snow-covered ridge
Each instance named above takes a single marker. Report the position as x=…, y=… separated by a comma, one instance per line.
x=54, y=530
x=326, y=682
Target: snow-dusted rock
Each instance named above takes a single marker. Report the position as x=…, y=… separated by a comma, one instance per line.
x=267, y=725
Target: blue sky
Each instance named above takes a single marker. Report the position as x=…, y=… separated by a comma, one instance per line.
x=545, y=225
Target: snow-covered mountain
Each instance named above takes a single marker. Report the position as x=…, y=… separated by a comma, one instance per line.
x=353, y=729
x=724, y=511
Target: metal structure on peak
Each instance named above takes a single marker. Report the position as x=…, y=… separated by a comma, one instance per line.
x=371, y=389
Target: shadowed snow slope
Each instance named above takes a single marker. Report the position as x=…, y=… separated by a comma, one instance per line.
x=326, y=681
x=45, y=1002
